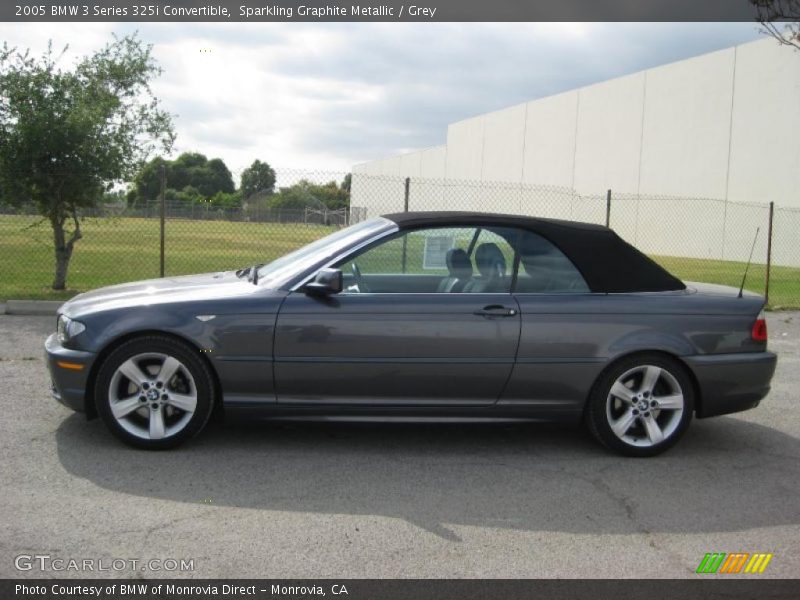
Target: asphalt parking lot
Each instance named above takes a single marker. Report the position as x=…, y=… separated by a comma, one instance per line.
x=345, y=501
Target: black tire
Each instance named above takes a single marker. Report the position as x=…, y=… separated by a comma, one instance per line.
x=189, y=358
x=602, y=405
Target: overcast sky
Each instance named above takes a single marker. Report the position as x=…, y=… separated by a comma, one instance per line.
x=326, y=96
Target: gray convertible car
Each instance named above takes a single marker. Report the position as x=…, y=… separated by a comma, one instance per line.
x=427, y=315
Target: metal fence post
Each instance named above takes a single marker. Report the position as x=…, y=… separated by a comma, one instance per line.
x=608, y=208
x=163, y=213
x=769, y=250
x=405, y=209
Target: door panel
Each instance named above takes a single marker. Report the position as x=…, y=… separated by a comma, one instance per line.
x=394, y=349
x=568, y=339
x=561, y=351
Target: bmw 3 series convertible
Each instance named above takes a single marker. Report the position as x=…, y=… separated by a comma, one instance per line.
x=426, y=315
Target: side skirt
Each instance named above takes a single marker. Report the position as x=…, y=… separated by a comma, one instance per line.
x=401, y=414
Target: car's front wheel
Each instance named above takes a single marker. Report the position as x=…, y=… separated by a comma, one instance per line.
x=641, y=405
x=154, y=392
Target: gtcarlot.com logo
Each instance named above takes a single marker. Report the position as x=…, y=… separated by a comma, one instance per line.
x=734, y=563
x=45, y=562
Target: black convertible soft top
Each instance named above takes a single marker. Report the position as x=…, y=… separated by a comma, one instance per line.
x=608, y=263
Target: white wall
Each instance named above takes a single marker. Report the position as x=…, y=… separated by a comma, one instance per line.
x=503, y=144
x=464, y=158
x=687, y=119
x=411, y=165
x=722, y=126
x=549, y=143
x=434, y=161
x=426, y=192
x=765, y=141
x=609, y=135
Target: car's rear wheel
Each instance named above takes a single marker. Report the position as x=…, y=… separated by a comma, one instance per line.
x=642, y=405
x=154, y=392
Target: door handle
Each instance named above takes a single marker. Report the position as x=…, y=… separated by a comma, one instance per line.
x=495, y=310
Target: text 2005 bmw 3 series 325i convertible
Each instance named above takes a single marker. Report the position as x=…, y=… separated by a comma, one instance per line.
x=426, y=315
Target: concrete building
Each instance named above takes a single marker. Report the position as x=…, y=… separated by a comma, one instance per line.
x=723, y=126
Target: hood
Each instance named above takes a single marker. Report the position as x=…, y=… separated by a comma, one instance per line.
x=188, y=288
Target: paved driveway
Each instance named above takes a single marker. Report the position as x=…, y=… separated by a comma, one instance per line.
x=395, y=501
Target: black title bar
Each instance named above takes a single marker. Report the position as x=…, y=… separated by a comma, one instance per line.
x=398, y=589
x=376, y=10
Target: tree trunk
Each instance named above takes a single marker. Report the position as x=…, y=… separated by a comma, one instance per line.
x=63, y=248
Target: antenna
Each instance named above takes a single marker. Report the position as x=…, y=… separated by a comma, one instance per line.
x=747, y=266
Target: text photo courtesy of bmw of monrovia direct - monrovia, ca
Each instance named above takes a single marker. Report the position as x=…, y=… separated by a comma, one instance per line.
x=97, y=591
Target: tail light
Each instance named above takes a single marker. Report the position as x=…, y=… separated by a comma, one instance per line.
x=759, y=331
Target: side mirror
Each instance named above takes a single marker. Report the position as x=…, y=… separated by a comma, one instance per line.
x=325, y=283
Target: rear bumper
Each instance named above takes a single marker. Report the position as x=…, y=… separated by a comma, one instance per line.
x=69, y=373
x=732, y=383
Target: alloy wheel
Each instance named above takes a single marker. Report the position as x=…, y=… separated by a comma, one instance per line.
x=645, y=405
x=152, y=395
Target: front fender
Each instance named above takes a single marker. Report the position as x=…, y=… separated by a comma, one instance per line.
x=236, y=340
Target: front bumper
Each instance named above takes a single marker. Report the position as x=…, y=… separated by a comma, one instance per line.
x=732, y=383
x=69, y=373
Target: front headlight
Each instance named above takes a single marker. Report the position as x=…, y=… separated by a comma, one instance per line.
x=68, y=328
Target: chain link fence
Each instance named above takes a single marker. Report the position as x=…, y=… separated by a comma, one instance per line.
x=697, y=239
x=121, y=238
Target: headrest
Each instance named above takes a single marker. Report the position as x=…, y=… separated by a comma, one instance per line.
x=490, y=260
x=458, y=263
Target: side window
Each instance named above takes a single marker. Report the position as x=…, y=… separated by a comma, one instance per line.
x=434, y=260
x=545, y=269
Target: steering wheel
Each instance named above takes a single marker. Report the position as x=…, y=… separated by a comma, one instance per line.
x=362, y=287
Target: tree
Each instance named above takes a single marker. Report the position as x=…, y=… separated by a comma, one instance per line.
x=116, y=197
x=219, y=179
x=146, y=184
x=304, y=194
x=296, y=197
x=66, y=135
x=347, y=183
x=190, y=169
x=258, y=178
x=781, y=20
x=208, y=176
x=227, y=201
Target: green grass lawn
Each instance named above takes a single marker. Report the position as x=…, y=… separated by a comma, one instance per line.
x=127, y=249
x=784, y=285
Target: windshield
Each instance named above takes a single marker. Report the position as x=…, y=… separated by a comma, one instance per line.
x=284, y=269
